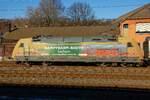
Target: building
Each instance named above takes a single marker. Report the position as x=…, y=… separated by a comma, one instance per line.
x=6, y=45
x=3, y=28
x=136, y=25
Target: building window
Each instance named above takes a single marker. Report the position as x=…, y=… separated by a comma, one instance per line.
x=125, y=26
x=143, y=28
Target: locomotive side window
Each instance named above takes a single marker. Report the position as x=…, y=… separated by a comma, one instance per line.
x=54, y=39
x=96, y=39
x=73, y=39
x=129, y=44
x=112, y=39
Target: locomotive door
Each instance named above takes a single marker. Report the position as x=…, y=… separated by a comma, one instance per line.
x=25, y=49
x=146, y=47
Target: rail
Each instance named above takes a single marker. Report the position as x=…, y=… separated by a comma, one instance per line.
x=76, y=76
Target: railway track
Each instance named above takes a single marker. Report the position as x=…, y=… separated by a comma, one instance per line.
x=131, y=77
x=9, y=64
x=12, y=63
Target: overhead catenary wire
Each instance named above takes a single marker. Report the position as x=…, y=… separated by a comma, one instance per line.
x=116, y=6
x=94, y=7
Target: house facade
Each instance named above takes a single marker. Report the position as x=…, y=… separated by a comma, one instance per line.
x=135, y=26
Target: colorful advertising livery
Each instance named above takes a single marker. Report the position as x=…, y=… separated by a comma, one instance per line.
x=44, y=50
x=71, y=49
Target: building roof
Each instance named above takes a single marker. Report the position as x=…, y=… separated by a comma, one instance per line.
x=139, y=13
x=60, y=31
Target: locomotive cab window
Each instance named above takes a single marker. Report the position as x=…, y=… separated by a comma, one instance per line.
x=129, y=44
x=21, y=45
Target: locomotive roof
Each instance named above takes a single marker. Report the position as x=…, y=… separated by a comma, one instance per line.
x=61, y=31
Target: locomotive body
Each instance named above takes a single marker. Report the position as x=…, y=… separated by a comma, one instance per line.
x=75, y=49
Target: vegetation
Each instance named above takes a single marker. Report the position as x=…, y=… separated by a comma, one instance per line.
x=53, y=13
x=46, y=14
x=80, y=13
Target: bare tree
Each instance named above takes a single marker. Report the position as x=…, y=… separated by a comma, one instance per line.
x=80, y=12
x=46, y=14
x=51, y=10
x=34, y=16
x=19, y=22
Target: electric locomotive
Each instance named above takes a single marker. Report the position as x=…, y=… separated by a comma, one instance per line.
x=108, y=49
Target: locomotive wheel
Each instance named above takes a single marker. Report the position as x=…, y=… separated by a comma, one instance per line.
x=49, y=63
x=44, y=64
x=123, y=65
x=130, y=65
x=28, y=64
x=138, y=65
x=105, y=64
x=18, y=62
x=114, y=64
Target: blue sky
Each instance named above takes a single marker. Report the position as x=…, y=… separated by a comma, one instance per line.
x=102, y=8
